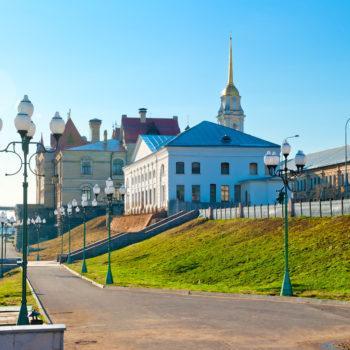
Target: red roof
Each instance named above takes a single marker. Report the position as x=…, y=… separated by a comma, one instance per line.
x=133, y=127
x=70, y=138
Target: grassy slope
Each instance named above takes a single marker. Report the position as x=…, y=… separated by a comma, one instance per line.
x=242, y=256
x=95, y=229
x=10, y=290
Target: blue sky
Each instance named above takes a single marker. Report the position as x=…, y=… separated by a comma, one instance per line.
x=107, y=58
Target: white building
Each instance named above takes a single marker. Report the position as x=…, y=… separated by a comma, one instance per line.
x=208, y=163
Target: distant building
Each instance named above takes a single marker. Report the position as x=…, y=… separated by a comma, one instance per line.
x=46, y=185
x=80, y=168
x=131, y=128
x=79, y=164
x=206, y=164
x=324, y=176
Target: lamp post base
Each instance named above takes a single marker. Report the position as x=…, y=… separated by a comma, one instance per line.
x=23, y=319
x=37, y=258
x=69, y=260
x=83, y=267
x=287, y=289
x=109, y=276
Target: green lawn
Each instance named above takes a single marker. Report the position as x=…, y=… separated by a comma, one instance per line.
x=11, y=289
x=239, y=256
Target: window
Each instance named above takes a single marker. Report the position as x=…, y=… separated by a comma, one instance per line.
x=253, y=169
x=196, y=168
x=225, y=193
x=225, y=168
x=180, y=192
x=196, y=193
x=162, y=170
x=86, y=167
x=212, y=193
x=86, y=190
x=117, y=166
x=180, y=168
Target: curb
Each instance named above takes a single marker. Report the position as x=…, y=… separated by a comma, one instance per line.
x=99, y=285
x=40, y=305
x=253, y=297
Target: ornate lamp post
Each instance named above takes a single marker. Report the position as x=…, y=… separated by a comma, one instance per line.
x=271, y=160
x=63, y=213
x=38, y=222
x=11, y=222
x=3, y=219
x=84, y=204
x=109, y=191
x=26, y=129
x=69, y=213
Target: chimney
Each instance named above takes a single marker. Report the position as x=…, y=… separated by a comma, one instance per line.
x=95, y=125
x=105, y=136
x=142, y=112
x=175, y=117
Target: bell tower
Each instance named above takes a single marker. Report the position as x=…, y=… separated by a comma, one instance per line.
x=231, y=113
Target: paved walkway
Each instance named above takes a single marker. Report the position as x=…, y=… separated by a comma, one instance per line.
x=136, y=319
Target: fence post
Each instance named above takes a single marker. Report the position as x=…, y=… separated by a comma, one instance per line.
x=241, y=211
x=254, y=212
x=261, y=211
x=301, y=208
x=331, y=207
x=320, y=203
x=342, y=206
x=268, y=210
x=211, y=214
x=248, y=211
x=275, y=209
x=310, y=208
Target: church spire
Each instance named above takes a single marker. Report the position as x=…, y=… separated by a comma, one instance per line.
x=230, y=68
x=231, y=113
x=230, y=89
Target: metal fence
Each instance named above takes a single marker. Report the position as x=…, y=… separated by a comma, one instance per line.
x=310, y=209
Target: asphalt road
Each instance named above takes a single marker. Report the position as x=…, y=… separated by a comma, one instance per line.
x=10, y=250
x=137, y=319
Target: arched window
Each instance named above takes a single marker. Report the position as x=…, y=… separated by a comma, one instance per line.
x=196, y=168
x=86, y=167
x=117, y=166
x=225, y=168
x=86, y=190
x=253, y=169
x=162, y=170
x=180, y=168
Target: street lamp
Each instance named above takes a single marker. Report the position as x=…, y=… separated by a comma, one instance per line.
x=10, y=222
x=109, y=191
x=84, y=204
x=69, y=213
x=271, y=160
x=26, y=128
x=3, y=220
x=346, y=180
x=37, y=223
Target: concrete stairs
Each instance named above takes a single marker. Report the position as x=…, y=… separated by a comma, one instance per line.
x=125, y=239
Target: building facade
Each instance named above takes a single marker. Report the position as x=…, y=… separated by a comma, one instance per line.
x=78, y=163
x=205, y=165
x=323, y=177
